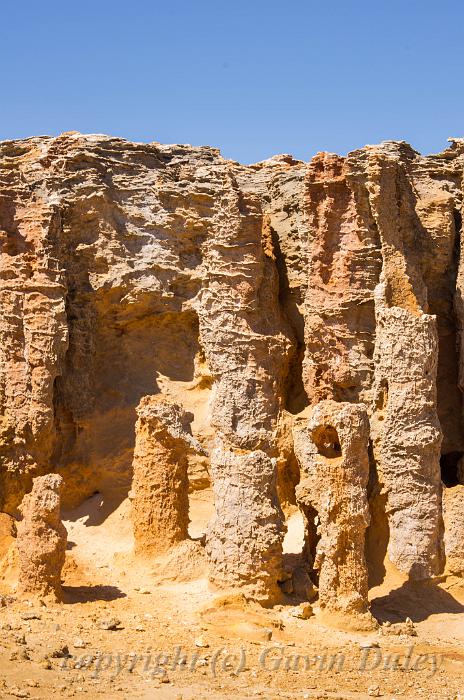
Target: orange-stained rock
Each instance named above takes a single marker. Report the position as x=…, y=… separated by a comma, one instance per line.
x=159, y=492
x=242, y=294
x=41, y=540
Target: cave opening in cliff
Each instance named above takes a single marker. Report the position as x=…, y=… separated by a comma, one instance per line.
x=449, y=466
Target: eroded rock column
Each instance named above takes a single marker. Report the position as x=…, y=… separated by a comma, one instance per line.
x=405, y=429
x=407, y=436
x=160, y=482
x=244, y=538
x=332, y=448
x=41, y=539
x=453, y=516
x=247, y=348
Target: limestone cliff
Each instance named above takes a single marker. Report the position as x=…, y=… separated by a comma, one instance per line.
x=242, y=295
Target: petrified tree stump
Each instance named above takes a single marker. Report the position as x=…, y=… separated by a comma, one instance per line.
x=41, y=539
x=244, y=538
x=332, y=448
x=160, y=482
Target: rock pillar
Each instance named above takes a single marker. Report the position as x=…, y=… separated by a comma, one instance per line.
x=41, y=539
x=332, y=448
x=160, y=483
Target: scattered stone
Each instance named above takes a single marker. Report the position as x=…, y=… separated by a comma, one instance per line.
x=201, y=642
x=30, y=616
x=374, y=691
x=406, y=629
x=6, y=600
x=79, y=643
x=18, y=693
x=303, y=611
x=60, y=652
x=111, y=624
x=89, y=659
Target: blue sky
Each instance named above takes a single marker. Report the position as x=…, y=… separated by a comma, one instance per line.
x=253, y=78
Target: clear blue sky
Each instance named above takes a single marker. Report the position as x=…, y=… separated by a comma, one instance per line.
x=254, y=78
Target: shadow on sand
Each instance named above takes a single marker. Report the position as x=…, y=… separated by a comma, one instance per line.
x=415, y=599
x=94, y=509
x=90, y=594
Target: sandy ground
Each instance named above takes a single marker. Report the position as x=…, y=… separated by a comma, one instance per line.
x=176, y=639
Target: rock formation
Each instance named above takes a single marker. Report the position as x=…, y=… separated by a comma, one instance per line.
x=244, y=538
x=407, y=437
x=244, y=294
x=453, y=512
x=160, y=507
x=332, y=448
x=41, y=540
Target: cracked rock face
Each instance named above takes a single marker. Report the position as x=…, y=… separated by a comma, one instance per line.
x=41, y=540
x=244, y=296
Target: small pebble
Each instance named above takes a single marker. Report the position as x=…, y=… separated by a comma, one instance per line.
x=18, y=693
x=201, y=642
x=303, y=611
x=30, y=616
x=111, y=624
x=60, y=652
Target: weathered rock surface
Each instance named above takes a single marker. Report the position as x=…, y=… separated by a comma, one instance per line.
x=453, y=515
x=244, y=538
x=160, y=506
x=332, y=448
x=41, y=539
x=243, y=294
x=407, y=437
x=381, y=326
